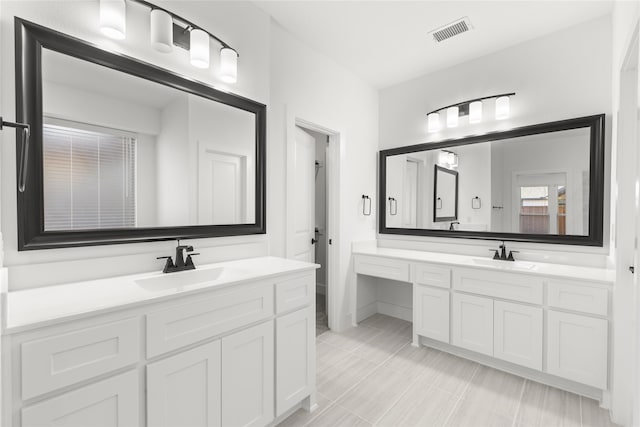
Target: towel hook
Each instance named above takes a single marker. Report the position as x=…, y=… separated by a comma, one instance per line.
x=366, y=210
x=24, y=150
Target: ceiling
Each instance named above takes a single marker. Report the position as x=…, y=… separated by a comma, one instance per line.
x=388, y=42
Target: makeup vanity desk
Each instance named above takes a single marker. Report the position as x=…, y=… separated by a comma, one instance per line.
x=546, y=322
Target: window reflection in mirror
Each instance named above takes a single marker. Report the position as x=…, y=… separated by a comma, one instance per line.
x=534, y=184
x=120, y=151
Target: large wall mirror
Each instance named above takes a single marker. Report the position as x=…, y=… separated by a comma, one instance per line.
x=542, y=183
x=122, y=151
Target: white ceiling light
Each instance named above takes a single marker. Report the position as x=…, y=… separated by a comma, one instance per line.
x=475, y=112
x=502, y=107
x=433, y=122
x=199, y=52
x=228, y=65
x=113, y=18
x=452, y=116
x=161, y=31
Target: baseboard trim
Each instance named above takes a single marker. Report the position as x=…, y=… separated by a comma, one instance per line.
x=397, y=311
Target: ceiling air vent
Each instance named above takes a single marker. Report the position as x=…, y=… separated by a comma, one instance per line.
x=453, y=29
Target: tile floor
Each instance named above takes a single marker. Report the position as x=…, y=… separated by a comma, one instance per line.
x=371, y=375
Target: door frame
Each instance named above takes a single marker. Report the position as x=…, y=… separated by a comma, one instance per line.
x=332, y=168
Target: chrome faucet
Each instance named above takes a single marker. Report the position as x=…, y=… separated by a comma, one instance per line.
x=501, y=253
x=181, y=263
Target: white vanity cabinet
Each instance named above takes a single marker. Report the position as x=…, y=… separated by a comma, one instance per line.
x=472, y=323
x=547, y=322
x=221, y=356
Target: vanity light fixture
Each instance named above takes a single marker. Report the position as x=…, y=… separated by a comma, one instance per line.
x=433, y=122
x=472, y=108
x=448, y=159
x=112, y=18
x=452, y=116
x=168, y=29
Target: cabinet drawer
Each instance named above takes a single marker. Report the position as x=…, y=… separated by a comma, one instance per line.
x=517, y=287
x=61, y=360
x=382, y=267
x=295, y=292
x=425, y=274
x=577, y=297
x=207, y=317
x=113, y=401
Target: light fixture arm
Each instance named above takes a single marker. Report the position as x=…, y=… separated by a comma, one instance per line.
x=188, y=25
x=460, y=104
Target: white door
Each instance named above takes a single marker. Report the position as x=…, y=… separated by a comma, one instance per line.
x=221, y=187
x=473, y=323
x=577, y=348
x=295, y=364
x=302, y=180
x=432, y=312
x=185, y=389
x=111, y=403
x=247, y=377
x=518, y=334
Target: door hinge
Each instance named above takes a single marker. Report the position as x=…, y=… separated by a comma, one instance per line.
x=632, y=269
x=330, y=241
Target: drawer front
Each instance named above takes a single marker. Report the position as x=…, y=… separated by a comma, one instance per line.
x=517, y=287
x=61, y=360
x=577, y=297
x=295, y=292
x=425, y=274
x=189, y=323
x=114, y=401
x=382, y=267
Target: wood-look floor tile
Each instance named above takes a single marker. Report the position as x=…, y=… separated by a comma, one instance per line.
x=543, y=406
x=302, y=417
x=450, y=373
x=337, y=416
x=421, y=405
x=328, y=357
x=492, y=398
x=593, y=415
x=389, y=324
x=380, y=347
x=332, y=383
x=413, y=360
x=376, y=394
x=350, y=339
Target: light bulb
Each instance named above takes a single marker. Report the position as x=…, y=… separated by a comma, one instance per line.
x=228, y=65
x=433, y=122
x=161, y=31
x=199, y=52
x=475, y=112
x=113, y=18
x=452, y=117
x=502, y=107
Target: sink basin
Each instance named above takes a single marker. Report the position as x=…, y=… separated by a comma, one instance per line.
x=505, y=265
x=188, y=278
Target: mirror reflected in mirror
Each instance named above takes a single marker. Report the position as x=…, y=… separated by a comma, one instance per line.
x=543, y=180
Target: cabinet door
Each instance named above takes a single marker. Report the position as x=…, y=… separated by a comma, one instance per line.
x=112, y=402
x=247, y=377
x=473, y=323
x=432, y=313
x=577, y=348
x=518, y=334
x=295, y=362
x=185, y=389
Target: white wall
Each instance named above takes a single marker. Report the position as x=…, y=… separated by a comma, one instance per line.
x=560, y=76
x=240, y=24
x=311, y=87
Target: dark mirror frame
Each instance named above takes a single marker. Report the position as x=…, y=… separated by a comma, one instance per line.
x=596, y=183
x=435, y=194
x=30, y=39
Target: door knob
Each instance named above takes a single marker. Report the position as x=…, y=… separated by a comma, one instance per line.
x=313, y=241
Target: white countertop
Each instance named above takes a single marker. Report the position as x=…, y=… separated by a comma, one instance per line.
x=39, y=307
x=522, y=267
